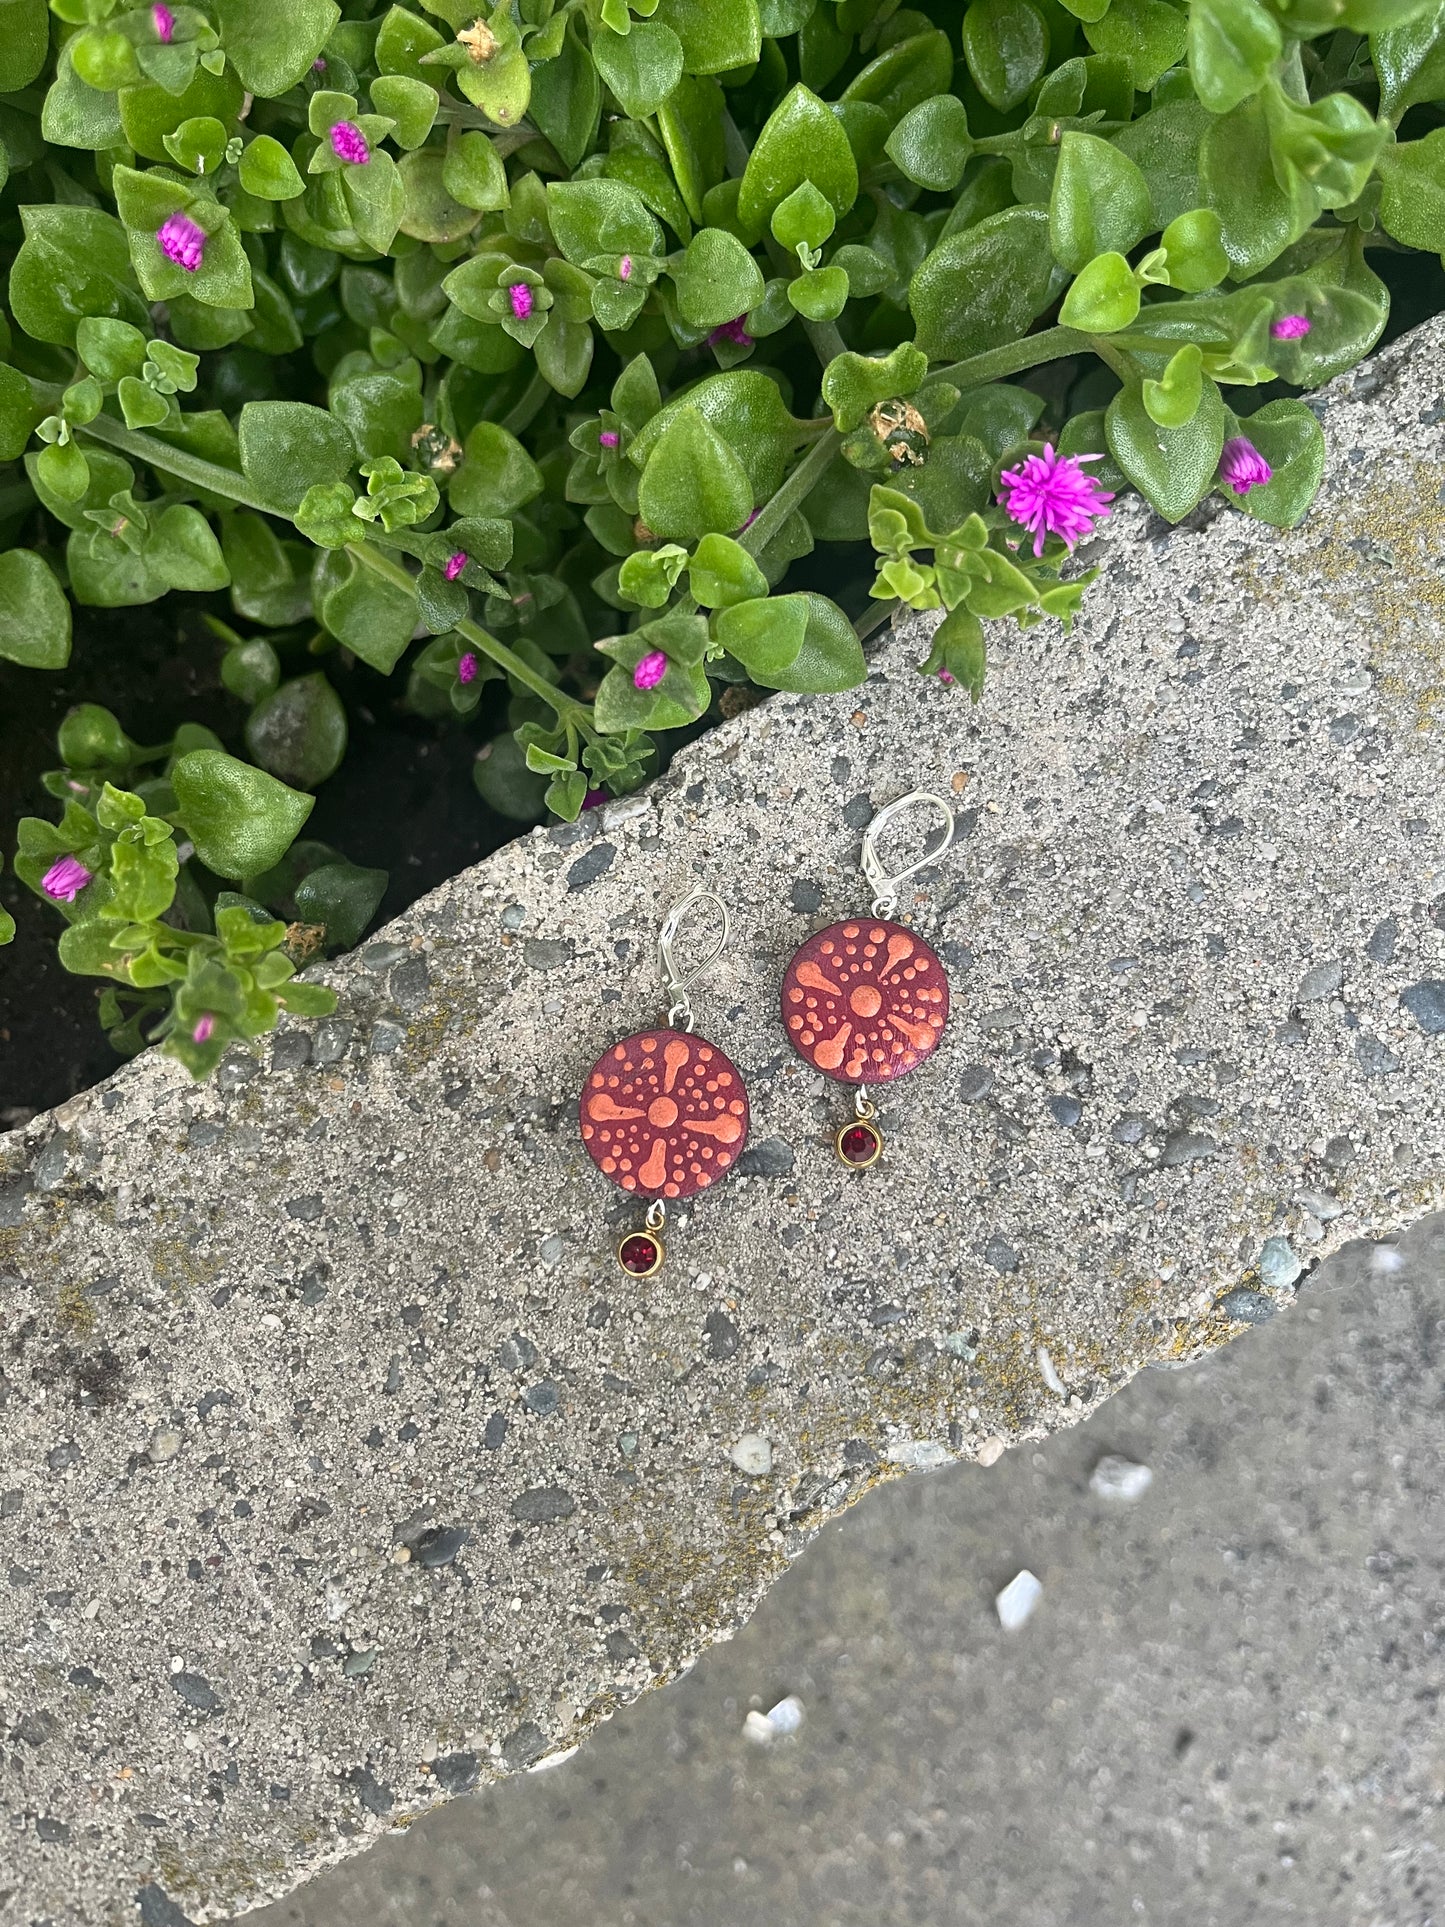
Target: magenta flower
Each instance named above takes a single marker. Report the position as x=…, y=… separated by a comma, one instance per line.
x=318, y=65
x=455, y=563
x=65, y=879
x=467, y=668
x=609, y=438
x=164, y=22
x=202, y=1032
x=650, y=671
x=182, y=241
x=731, y=331
x=624, y=270
x=593, y=798
x=1242, y=466
x=1290, y=327
x=1050, y=494
x=520, y=296
x=348, y=143
x=945, y=675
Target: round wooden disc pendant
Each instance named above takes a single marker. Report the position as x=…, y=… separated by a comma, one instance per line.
x=664, y=1114
x=865, y=1001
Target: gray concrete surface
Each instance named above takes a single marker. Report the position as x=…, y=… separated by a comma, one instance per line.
x=343, y=1469
x=1225, y=1711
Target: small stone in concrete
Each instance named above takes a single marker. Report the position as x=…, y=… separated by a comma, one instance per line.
x=1374, y=1058
x=542, y=1398
x=1279, y=1264
x=456, y=1772
x=386, y=1037
x=1321, y=980
x=999, y=1253
x=196, y=1692
x=1120, y=1479
x=752, y=1454
x=975, y=1083
x=1067, y=1111
x=290, y=1050
x=165, y=1443
x=781, y=1722
x=328, y=1046
x=1185, y=1147
x=1381, y=947
x=1130, y=1128
x=1246, y=1307
x=590, y=865
x=379, y=957
x=440, y=1546
x=721, y=1335
x=1015, y=1604
x=60, y=1457
x=773, y=1158
x=409, y=982
x=991, y=1451
x=1426, y=1004
x=544, y=1505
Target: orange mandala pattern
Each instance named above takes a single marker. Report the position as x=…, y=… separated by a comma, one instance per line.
x=865, y=1001
x=664, y=1114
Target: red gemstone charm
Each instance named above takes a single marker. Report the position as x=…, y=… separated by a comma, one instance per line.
x=865, y=1001
x=860, y=1145
x=640, y=1253
x=664, y=1114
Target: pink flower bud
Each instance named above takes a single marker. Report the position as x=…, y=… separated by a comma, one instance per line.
x=733, y=332
x=650, y=671
x=609, y=438
x=520, y=296
x=455, y=563
x=65, y=879
x=348, y=143
x=182, y=241
x=467, y=668
x=1242, y=467
x=202, y=1032
x=164, y=22
x=624, y=270
x=1290, y=327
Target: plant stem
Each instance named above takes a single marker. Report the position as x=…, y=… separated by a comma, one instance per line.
x=795, y=488
x=368, y=556
x=226, y=482
x=1051, y=344
x=528, y=404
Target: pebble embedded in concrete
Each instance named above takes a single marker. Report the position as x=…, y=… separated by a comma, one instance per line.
x=753, y=1454
x=1120, y=1479
x=1016, y=1603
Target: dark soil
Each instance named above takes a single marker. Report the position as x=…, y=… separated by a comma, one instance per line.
x=403, y=799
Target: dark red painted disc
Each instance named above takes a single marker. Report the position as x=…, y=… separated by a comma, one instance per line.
x=865, y=1001
x=664, y=1115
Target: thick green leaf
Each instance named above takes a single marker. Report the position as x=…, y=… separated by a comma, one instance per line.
x=693, y=483
x=1100, y=202
x=1412, y=197
x=1104, y=297
x=1289, y=437
x=1148, y=36
x=1410, y=61
x=853, y=384
x=288, y=447
x=1233, y=45
x=73, y=262
x=717, y=279
x=605, y=217
x=641, y=66
x=24, y=42
x=985, y=286
x=298, y=732
x=273, y=43
x=34, y=614
x=716, y=35
x=496, y=477
x=747, y=410
x=241, y=820
x=184, y=552
x=722, y=572
x=1164, y=145
x=764, y=634
x=830, y=658
x=566, y=99
x=802, y=141
x=909, y=71
x=931, y=143
x=1006, y=45
x=1258, y=216
x=369, y=614
x=1173, y=468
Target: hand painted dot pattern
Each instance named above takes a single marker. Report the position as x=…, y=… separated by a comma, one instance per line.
x=664, y=1114
x=865, y=1001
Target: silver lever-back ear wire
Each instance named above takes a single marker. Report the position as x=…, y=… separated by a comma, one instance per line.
x=677, y=980
x=886, y=886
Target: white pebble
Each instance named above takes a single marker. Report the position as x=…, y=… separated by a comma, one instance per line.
x=1385, y=1259
x=165, y=1444
x=752, y=1454
x=1118, y=1478
x=1049, y=1375
x=1016, y=1602
x=991, y=1451
x=758, y=1728
x=786, y=1717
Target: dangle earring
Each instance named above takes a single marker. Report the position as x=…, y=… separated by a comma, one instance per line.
x=866, y=1001
x=665, y=1113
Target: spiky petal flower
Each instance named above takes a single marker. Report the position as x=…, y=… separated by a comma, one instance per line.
x=1290, y=327
x=732, y=332
x=65, y=879
x=1050, y=494
x=348, y=143
x=204, y=1027
x=182, y=241
x=164, y=22
x=650, y=671
x=1242, y=467
x=467, y=668
x=455, y=563
x=520, y=296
